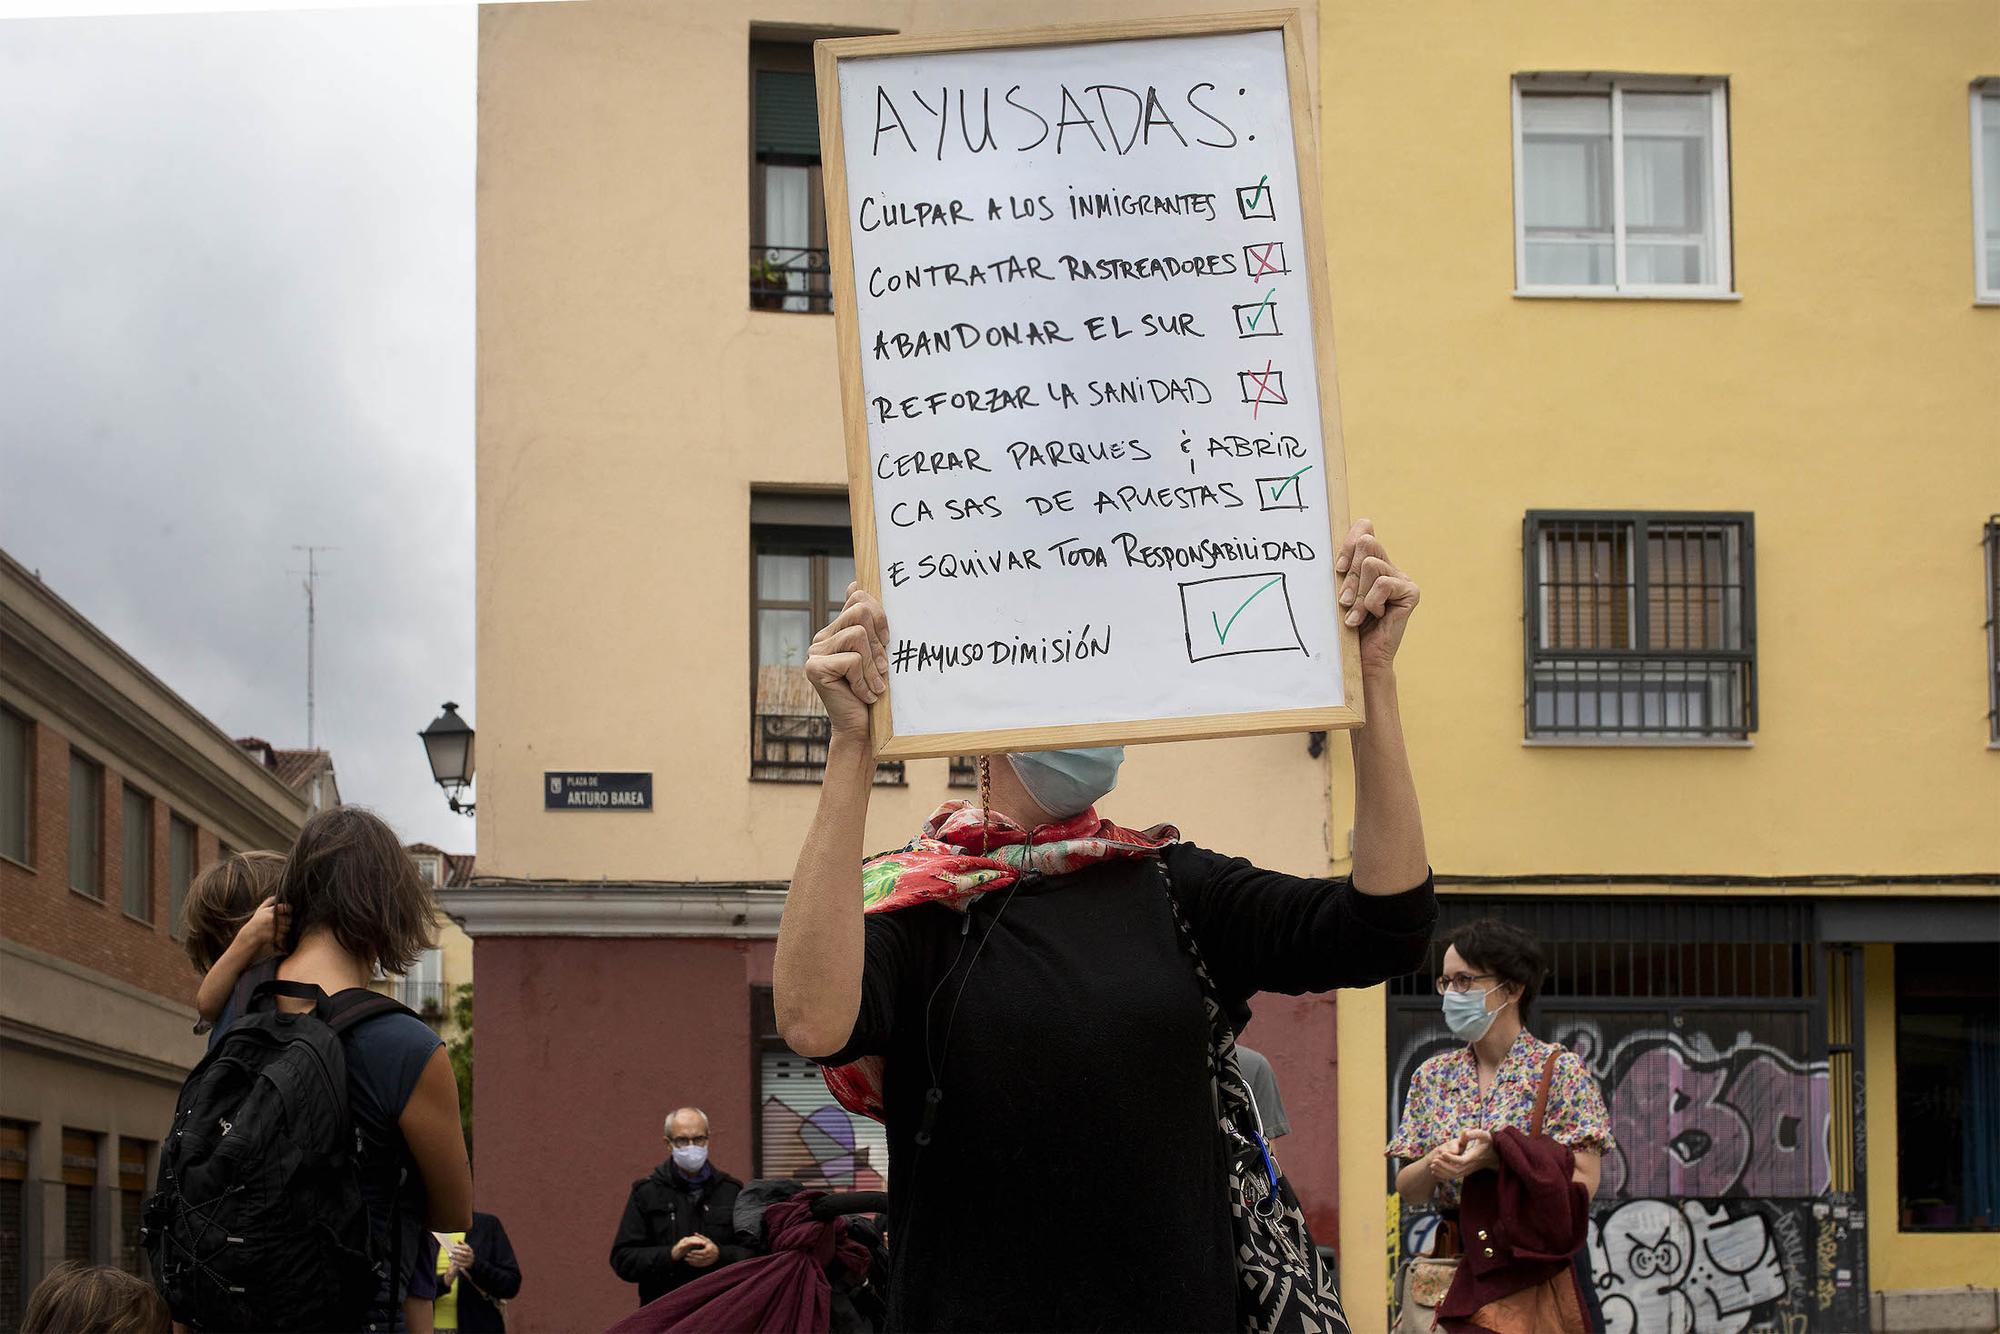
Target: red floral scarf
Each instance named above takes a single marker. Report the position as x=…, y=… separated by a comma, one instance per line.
x=964, y=852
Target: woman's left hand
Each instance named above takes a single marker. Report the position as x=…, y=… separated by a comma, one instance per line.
x=1473, y=1152
x=1375, y=596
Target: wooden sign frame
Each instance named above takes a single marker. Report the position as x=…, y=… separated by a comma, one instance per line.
x=827, y=55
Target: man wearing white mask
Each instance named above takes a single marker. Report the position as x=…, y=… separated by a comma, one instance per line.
x=677, y=1221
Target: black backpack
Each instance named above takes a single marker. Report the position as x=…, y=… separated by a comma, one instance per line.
x=258, y=1222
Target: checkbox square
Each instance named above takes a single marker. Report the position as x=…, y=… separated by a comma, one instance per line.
x=1281, y=493
x=1256, y=203
x=1232, y=615
x=1265, y=386
x=1257, y=319
x=1265, y=259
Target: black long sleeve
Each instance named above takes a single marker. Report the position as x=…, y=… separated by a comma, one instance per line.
x=494, y=1268
x=634, y=1257
x=1267, y=931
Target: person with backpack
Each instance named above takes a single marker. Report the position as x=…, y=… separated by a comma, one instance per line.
x=319, y=1141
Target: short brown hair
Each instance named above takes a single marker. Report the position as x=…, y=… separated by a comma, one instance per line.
x=222, y=898
x=1506, y=951
x=96, y=1298
x=349, y=874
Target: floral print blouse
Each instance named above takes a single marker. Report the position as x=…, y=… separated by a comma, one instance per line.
x=1444, y=1101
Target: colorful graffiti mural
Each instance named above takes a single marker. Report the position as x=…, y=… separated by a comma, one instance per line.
x=1715, y=1213
x=1695, y=1119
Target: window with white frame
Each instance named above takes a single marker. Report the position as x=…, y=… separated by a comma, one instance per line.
x=1621, y=186
x=1986, y=189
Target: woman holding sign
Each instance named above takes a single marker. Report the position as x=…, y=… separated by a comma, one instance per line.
x=1012, y=994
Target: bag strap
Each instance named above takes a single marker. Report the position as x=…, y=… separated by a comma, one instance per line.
x=1542, y=1092
x=357, y=1005
x=273, y=987
x=1236, y=1108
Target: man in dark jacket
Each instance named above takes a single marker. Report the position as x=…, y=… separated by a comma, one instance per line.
x=677, y=1223
x=485, y=1274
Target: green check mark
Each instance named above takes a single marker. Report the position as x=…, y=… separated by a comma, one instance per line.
x=1222, y=627
x=1291, y=481
x=1262, y=306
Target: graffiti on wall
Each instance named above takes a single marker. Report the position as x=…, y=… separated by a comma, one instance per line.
x=1693, y=1118
x=1681, y=1266
x=1710, y=1266
x=1715, y=1212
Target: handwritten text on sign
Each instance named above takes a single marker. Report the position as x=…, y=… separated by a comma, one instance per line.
x=1087, y=353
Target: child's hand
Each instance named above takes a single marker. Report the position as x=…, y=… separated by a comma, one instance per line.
x=267, y=928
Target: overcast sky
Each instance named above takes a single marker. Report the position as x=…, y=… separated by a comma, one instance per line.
x=236, y=315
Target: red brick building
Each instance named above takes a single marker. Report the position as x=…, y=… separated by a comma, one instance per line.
x=114, y=793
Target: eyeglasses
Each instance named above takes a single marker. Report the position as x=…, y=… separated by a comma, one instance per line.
x=688, y=1141
x=1462, y=982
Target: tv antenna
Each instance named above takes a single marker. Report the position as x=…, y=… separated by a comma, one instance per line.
x=312, y=629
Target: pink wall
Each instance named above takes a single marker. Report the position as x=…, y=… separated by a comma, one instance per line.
x=584, y=1044
x=582, y=1047
x=1296, y=1034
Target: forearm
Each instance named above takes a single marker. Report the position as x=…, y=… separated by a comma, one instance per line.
x=1589, y=1164
x=219, y=981
x=1389, y=855
x=1414, y=1182
x=816, y=975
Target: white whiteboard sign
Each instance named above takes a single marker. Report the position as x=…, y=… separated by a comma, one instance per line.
x=1095, y=482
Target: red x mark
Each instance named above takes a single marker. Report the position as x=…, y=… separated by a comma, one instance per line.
x=1266, y=391
x=1268, y=258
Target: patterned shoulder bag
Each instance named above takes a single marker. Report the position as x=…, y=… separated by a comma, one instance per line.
x=1283, y=1286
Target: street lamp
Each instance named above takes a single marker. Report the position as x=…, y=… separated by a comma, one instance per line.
x=448, y=743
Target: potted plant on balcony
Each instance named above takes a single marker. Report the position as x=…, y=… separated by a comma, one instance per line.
x=769, y=285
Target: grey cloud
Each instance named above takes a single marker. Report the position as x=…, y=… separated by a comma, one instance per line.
x=236, y=304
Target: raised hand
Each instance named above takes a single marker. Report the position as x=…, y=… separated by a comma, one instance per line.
x=1374, y=595
x=849, y=662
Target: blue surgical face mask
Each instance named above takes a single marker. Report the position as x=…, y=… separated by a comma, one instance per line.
x=690, y=1158
x=1068, y=782
x=1465, y=1013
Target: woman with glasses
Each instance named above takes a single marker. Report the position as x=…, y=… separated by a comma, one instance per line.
x=1460, y=1098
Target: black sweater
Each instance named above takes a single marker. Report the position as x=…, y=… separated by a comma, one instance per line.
x=662, y=1209
x=495, y=1277
x=1075, y=1178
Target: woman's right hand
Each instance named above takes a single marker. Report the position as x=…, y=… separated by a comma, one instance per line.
x=849, y=663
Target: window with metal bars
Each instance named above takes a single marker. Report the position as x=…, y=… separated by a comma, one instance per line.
x=1640, y=626
x=1706, y=1022
x=13, y=1221
x=1992, y=544
x=798, y=582
x=964, y=771
x=1636, y=949
x=79, y=1178
x=131, y=1202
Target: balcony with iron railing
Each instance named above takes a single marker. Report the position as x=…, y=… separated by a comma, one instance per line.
x=429, y=999
x=790, y=278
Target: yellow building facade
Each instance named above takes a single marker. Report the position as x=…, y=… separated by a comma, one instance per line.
x=1662, y=367
x=1841, y=389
